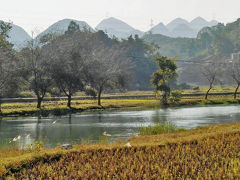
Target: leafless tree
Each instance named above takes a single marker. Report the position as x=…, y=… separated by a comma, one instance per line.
x=233, y=69
x=210, y=71
x=68, y=56
x=36, y=70
x=108, y=69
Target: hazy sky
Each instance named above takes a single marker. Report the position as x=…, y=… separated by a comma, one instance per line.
x=39, y=14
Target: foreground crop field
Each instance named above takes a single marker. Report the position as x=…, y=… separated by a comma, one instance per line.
x=211, y=152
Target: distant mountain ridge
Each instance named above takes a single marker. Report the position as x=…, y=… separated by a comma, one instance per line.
x=61, y=26
x=182, y=28
x=117, y=28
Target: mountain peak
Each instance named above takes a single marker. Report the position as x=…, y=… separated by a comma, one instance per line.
x=174, y=23
x=179, y=20
x=115, y=27
x=160, y=29
x=113, y=23
x=61, y=26
x=198, y=20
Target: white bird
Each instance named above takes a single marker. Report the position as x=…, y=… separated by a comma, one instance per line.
x=128, y=145
x=28, y=135
x=54, y=122
x=10, y=141
x=16, y=138
x=105, y=134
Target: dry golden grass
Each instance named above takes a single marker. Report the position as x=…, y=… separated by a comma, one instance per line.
x=59, y=107
x=210, y=152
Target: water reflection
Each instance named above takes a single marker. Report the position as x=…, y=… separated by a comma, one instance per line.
x=81, y=127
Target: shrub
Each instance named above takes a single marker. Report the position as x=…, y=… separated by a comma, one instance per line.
x=26, y=94
x=184, y=86
x=91, y=92
x=37, y=145
x=196, y=88
x=175, y=97
x=59, y=111
x=159, y=129
x=44, y=112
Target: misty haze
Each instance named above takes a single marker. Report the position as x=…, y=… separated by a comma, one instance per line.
x=120, y=89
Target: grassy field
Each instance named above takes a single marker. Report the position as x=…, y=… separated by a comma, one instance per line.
x=204, y=153
x=219, y=89
x=210, y=152
x=60, y=108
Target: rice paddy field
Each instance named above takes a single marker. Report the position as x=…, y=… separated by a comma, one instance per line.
x=60, y=107
x=211, y=152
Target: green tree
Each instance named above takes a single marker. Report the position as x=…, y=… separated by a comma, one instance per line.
x=36, y=69
x=8, y=63
x=141, y=54
x=4, y=30
x=162, y=77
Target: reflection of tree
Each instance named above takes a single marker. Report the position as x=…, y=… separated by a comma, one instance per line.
x=70, y=125
x=158, y=117
x=99, y=117
x=0, y=122
x=38, y=128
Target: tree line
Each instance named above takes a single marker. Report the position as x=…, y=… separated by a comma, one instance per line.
x=85, y=61
x=91, y=62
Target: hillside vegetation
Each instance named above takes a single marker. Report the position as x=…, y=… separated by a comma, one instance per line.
x=217, y=40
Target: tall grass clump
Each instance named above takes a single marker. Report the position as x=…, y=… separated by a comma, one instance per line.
x=159, y=129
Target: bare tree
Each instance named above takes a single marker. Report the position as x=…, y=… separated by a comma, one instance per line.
x=108, y=69
x=68, y=56
x=209, y=71
x=36, y=70
x=233, y=69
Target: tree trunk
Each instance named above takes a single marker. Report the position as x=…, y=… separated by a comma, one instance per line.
x=164, y=99
x=236, y=90
x=99, y=96
x=69, y=101
x=206, y=96
x=39, y=102
x=0, y=105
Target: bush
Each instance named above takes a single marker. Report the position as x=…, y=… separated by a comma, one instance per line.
x=26, y=94
x=159, y=129
x=184, y=86
x=91, y=92
x=175, y=97
x=59, y=111
x=196, y=88
x=37, y=145
x=55, y=92
x=44, y=112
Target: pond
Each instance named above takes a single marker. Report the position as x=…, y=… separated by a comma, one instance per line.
x=76, y=128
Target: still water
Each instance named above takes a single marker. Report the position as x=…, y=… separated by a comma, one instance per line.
x=54, y=131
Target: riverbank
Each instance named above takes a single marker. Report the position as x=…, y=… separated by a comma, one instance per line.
x=60, y=108
x=210, y=152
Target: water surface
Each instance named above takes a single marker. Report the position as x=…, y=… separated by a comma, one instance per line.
x=89, y=127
